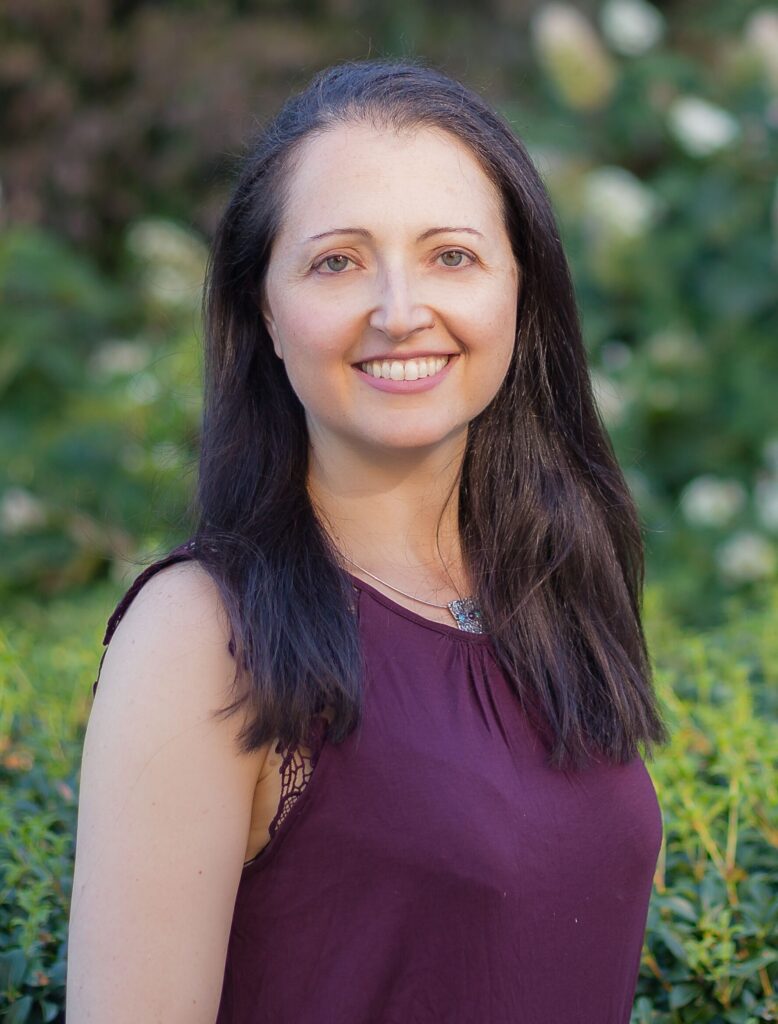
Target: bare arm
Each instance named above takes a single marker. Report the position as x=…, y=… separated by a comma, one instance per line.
x=164, y=814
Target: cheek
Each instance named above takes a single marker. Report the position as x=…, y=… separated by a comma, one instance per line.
x=492, y=328
x=313, y=346
x=315, y=334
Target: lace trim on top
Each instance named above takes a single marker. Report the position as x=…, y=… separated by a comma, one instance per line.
x=296, y=769
x=300, y=759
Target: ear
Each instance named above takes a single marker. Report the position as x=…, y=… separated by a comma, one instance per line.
x=270, y=324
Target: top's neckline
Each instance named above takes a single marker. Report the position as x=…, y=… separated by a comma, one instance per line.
x=399, y=609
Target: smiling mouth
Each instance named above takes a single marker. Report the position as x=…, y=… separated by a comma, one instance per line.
x=404, y=369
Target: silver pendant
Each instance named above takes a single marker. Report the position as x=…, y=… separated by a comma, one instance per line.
x=467, y=614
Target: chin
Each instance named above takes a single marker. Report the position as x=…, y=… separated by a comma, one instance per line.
x=416, y=440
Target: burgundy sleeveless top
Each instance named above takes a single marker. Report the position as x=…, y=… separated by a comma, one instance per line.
x=432, y=867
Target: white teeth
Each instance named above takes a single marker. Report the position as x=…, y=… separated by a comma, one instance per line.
x=405, y=369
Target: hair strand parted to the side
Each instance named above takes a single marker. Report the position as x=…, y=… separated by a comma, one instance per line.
x=549, y=528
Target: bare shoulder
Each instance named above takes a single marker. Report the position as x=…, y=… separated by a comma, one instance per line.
x=164, y=811
x=182, y=595
x=172, y=643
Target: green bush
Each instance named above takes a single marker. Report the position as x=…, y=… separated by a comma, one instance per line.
x=656, y=135
x=99, y=404
x=711, y=950
x=42, y=714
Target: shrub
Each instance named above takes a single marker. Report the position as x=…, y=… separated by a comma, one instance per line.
x=711, y=946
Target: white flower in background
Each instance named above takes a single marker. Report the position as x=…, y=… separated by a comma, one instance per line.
x=674, y=349
x=631, y=26
x=142, y=389
x=173, y=261
x=572, y=55
x=616, y=203
x=117, y=357
x=611, y=398
x=712, y=501
x=700, y=127
x=162, y=241
x=20, y=511
x=171, y=287
x=746, y=556
x=766, y=502
x=615, y=355
x=761, y=36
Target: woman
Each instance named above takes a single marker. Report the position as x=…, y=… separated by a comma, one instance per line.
x=416, y=572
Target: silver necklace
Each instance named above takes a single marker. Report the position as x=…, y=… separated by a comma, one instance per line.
x=465, y=611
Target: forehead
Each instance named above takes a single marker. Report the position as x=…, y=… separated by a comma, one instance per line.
x=359, y=172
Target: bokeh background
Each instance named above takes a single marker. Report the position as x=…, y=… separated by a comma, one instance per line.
x=655, y=127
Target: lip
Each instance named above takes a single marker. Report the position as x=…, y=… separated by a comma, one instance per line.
x=402, y=387
x=389, y=356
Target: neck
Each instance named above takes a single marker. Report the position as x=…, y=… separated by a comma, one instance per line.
x=383, y=514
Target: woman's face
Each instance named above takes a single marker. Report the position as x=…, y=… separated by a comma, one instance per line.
x=412, y=264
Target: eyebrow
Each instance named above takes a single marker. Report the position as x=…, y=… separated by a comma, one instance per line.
x=366, y=234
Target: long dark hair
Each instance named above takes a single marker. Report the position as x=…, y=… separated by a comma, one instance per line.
x=548, y=527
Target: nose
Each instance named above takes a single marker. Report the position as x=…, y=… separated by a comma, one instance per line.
x=398, y=314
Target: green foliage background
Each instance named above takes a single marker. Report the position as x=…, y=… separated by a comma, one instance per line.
x=711, y=948
x=656, y=133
